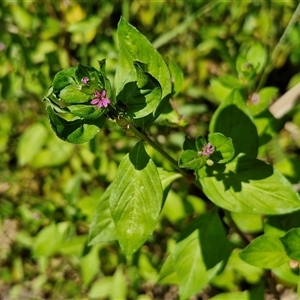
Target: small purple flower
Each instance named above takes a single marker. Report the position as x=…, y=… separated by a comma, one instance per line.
x=100, y=99
x=254, y=98
x=2, y=46
x=208, y=149
x=85, y=80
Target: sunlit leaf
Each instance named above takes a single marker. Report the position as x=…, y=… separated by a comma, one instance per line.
x=31, y=142
x=135, y=47
x=102, y=228
x=195, y=257
x=248, y=185
x=265, y=251
x=223, y=146
x=191, y=160
x=136, y=199
x=257, y=56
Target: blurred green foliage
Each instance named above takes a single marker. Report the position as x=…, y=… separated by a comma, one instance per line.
x=48, y=188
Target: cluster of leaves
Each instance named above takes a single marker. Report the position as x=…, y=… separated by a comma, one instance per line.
x=227, y=168
x=140, y=207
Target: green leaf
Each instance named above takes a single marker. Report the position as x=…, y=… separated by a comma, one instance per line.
x=55, y=152
x=190, y=144
x=264, y=98
x=77, y=131
x=86, y=111
x=63, y=79
x=167, y=274
x=245, y=70
x=84, y=26
x=135, y=47
x=265, y=251
x=224, y=148
x=191, y=160
x=200, y=143
x=143, y=96
x=257, y=56
x=167, y=177
x=233, y=120
x=119, y=290
x=89, y=265
x=71, y=94
x=224, y=85
x=176, y=77
x=102, y=228
x=248, y=185
x=255, y=293
x=195, y=257
x=248, y=223
x=101, y=288
x=291, y=243
x=189, y=266
x=50, y=239
x=286, y=274
x=245, y=295
x=31, y=142
x=136, y=199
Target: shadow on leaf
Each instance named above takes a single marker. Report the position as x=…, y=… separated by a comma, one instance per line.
x=241, y=169
x=139, y=157
x=236, y=124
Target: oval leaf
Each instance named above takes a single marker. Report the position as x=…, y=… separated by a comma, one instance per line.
x=224, y=147
x=141, y=97
x=265, y=251
x=248, y=185
x=64, y=78
x=233, y=120
x=257, y=56
x=71, y=94
x=31, y=143
x=135, y=47
x=195, y=257
x=191, y=160
x=136, y=199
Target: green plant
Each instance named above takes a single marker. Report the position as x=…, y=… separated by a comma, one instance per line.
x=223, y=165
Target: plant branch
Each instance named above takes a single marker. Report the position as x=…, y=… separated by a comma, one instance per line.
x=143, y=136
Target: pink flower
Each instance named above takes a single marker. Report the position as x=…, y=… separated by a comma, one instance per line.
x=208, y=149
x=100, y=99
x=85, y=80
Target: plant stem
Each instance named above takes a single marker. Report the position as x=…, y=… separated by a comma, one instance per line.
x=143, y=136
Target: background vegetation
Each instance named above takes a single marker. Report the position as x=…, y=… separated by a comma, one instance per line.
x=48, y=188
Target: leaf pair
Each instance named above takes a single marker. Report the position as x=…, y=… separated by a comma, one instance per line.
x=221, y=152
